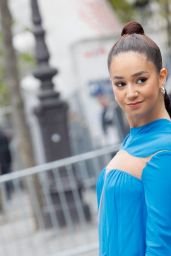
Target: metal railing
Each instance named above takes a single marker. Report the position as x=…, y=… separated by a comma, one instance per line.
x=51, y=209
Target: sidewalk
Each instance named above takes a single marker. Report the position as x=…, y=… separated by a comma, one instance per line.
x=19, y=237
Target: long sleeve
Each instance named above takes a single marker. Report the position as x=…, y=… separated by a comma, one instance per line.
x=157, y=187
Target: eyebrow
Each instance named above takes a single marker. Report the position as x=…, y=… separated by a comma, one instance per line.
x=134, y=75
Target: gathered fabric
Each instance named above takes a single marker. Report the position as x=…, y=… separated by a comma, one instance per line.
x=135, y=214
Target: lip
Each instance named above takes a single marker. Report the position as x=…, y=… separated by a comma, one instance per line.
x=134, y=103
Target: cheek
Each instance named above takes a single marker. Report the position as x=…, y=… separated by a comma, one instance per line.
x=152, y=93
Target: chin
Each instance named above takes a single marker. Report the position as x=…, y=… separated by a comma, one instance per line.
x=137, y=115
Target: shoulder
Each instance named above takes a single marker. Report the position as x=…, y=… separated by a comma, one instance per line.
x=157, y=188
x=159, y=166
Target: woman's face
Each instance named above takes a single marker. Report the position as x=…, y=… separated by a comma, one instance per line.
x=136, y=85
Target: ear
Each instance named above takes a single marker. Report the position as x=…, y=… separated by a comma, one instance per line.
x=162, y=77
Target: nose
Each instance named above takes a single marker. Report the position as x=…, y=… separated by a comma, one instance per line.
x=131, y=92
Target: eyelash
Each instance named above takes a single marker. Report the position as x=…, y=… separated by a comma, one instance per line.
x=143, y=79
x=121, y=84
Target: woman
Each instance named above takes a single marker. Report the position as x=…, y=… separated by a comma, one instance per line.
x=134, y=189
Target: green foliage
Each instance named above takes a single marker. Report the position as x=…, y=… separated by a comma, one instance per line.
x=4, y=97
x=25, y=57
x=123, y=9
x=26, y=63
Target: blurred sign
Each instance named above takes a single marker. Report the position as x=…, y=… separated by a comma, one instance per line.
x=94, y=87
x=100, y=87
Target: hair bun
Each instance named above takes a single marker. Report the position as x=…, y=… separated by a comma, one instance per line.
x=131, y=28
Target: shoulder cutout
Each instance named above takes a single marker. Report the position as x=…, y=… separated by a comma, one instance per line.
x=130, y=164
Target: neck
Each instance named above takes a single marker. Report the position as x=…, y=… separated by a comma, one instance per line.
x=142, y=120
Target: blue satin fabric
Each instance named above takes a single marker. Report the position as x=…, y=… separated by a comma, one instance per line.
x=134, y=214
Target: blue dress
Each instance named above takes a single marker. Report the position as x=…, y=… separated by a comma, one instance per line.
x=135, y=214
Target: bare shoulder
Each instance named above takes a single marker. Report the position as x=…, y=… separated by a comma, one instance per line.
x=125, y=162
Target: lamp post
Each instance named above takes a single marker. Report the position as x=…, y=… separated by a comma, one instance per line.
x=52, y=116
x=52, y=111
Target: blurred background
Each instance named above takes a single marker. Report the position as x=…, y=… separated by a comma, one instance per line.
x=59, y=123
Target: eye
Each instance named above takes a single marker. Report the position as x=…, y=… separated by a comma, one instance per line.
x=120, y=84
x=141, y=80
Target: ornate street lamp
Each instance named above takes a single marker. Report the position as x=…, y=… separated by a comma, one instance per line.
x=52, y=111
x=51, y=114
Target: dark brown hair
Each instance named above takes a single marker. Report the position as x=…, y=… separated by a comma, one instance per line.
x=134, y=39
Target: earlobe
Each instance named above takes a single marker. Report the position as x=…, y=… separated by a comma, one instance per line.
x=163, y=90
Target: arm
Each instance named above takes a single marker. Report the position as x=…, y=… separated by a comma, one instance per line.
x=157, y=187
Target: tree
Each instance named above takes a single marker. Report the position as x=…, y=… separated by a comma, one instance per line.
x=165, y=5
x=4, y=96
x=164, y=11
x=13, y=83
x=134, y=9
x=26, y=63
x=123, y=9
